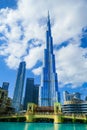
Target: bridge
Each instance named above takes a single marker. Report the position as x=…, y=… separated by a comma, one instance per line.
x=13, y=118
x=75, y=118
x=36, y=114
x=47, y=117
x=56, y=118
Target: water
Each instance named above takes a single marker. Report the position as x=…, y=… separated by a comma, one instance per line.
x=41, y=126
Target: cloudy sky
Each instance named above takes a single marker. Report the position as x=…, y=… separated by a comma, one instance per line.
x=22, y=37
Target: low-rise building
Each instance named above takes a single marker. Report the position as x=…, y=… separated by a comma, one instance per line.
x=3, y=97
x=5, y=102
x=74, y=105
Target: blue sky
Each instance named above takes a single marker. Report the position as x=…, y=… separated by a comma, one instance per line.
x=22, y=37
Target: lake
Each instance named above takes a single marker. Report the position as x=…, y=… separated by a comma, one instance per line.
x=40, y=126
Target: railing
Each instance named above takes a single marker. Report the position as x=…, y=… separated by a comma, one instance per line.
x=77, y=116
x=43, y=113
x=12, y=115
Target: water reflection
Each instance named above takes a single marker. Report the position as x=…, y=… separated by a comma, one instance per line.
x=38, y=126
x=41, y=126
x=70, y=127
x=26, y=126
x=57, y=126
x=51, y=126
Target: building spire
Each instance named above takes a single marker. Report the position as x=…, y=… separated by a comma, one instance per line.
x=48, y=15
x=48, y=24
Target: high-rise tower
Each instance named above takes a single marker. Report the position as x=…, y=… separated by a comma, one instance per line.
x=18, y=91
x=31, y=92
x=48, y=93
x=5, y=85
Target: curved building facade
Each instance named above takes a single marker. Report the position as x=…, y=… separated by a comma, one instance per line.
x=18, y=91
x=76, y=108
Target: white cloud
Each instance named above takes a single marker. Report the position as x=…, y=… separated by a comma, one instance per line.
x=16, y=49
x=23, y=24
x=72, y=65
x=35, y=55
x=13, y=64
x=37, y=71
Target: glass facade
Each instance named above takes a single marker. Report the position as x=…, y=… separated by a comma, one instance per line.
x=18, y=92
x=68, y=97
x=31, y=92
x=36, y=93
x=48, y=93
x=5, y=85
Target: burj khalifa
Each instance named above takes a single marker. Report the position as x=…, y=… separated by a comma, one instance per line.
x=48, y=92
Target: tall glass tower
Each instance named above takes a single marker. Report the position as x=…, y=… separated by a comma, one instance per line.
x=48, y=93
x=31, y=92
x=18, y=91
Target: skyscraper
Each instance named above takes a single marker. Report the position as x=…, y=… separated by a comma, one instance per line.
x=18, y=91
x=48, y=93
x=71, y=96
x=5, y=85
x=31, y=92
x=36, y=93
